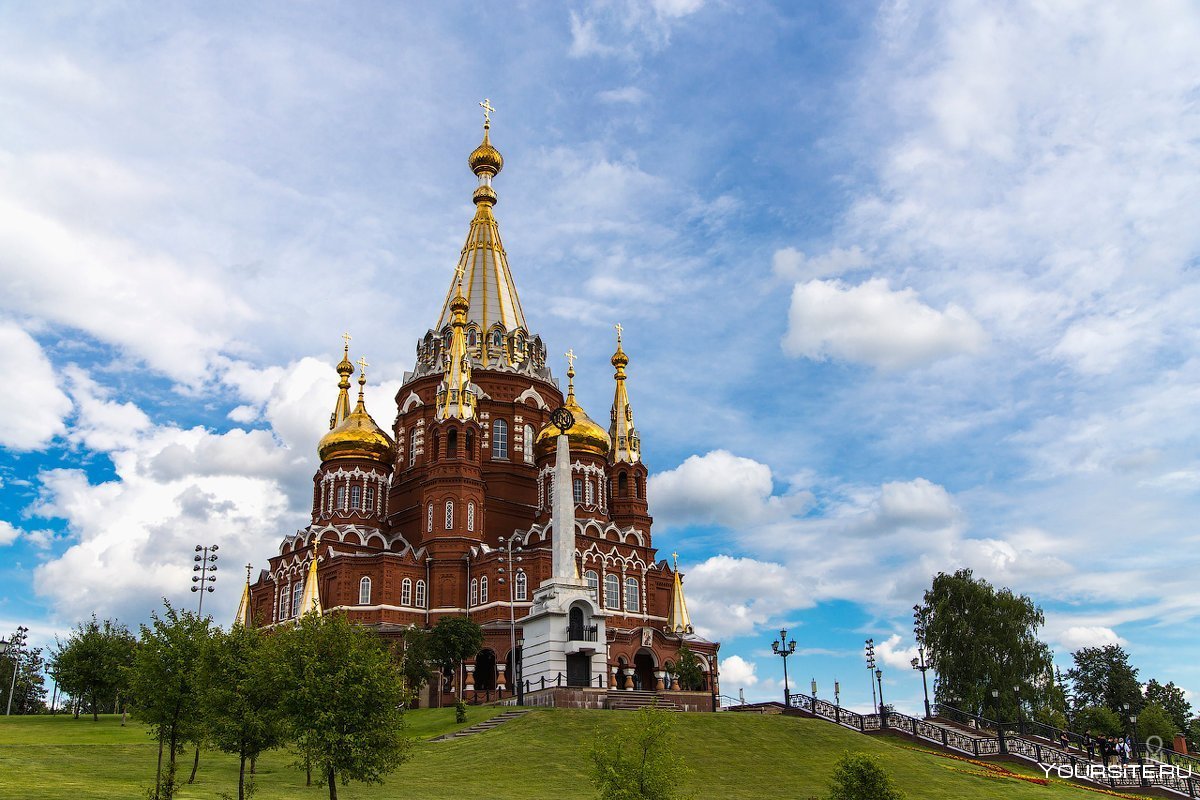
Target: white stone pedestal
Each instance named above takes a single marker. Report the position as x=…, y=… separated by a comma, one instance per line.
x=547, y=639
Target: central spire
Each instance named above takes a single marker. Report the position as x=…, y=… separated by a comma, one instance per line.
x=492, y=303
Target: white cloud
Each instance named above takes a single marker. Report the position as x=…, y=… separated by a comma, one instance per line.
x=717, y=487
x=32, y=406
x=733, y=596
x=872, y=324
x=1080, y=636
x=8, y=533
x=791, y=264
x=737, y=673
x=626, y=94
x=891, y=654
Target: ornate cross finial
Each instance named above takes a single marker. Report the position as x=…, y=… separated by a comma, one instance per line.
x=458, y=273
x=486, y=105
x=362, y=366
x=249, y=567
x=619, y=331
x=676, y=557
x=346, y=338
x=570, y=354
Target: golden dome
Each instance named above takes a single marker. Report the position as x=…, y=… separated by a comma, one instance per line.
x=486, y=158
x=584, y=435
x=357, y=436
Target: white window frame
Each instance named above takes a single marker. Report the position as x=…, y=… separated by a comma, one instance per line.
x=406, y=592
x=612, y=591
x=633, y=597
x=483, y=590
x=521, y=585
x=471, y=516
x=474, y=599
x=449, y=515
x=422, y=599
x=500, y=439
x=364, y=591
x=528, y=444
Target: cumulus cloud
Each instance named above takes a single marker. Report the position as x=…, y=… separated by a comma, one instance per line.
x=32, y=406
x=733, y=596
x=792, y=264
x=872, y=324
x=737, y=673
x=716, y=488
x=8, y=533
x=1080, y=636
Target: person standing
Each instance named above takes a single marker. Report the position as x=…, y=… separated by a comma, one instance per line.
x=1090, y=743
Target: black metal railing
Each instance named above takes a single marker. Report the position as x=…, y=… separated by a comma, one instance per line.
x=582, y=633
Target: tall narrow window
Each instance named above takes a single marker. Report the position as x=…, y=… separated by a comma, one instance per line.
x=406, y=592
x=623, y=485
x=474, y=592
x=589, y=494
x=612, y=591
x=364, y=592
x=521, y=585
x=593, y=580
x=297, y=591
x=499, y=439
x=355, y=497
x=449, y=514
x=470, y=516
x=429, y=518
x=412, y=446
x=369, y=499
x=633, y=600
x=284, y=605
x=437, y=445
x=638, y=486
x=420, y=594
x=577, y=489
x=483, y=590
x=528, y=440
x=452, y=444
x=470, y=451
x=341, y=497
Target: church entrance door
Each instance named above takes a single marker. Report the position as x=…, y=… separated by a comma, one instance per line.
x=579, y=669
x=485, y=671
x=643, y=671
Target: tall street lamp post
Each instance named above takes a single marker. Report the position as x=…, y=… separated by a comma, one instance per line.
x=1020, y=711
x=511, y=577
x=883, y=721
x=206, y=564
x=918, y=663
x=870, y=650
x=783, y=648
x=15, y=649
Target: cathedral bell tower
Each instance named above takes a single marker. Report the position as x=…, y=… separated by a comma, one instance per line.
x=627, y=472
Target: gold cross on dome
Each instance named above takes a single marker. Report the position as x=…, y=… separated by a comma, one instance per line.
x=362, y=364
x=249, y=567
x=676, y=557
x=570, y=354
x=486, y=105
x=346, y=338
x=619, y=330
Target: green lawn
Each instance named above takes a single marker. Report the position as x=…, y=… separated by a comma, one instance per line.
x=541, y=755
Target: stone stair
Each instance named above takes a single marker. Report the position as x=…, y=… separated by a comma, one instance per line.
x=633, y=700
x=480, y=727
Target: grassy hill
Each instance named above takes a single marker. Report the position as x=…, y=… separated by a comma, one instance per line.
x=541, y=755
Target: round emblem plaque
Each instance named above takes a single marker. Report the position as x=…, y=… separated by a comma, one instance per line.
x=562, y=419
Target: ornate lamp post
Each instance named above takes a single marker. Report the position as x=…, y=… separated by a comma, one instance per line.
x=15, y=649
x=882, y=708
x=870, y=650
x=918, y=663
x=837, y=693
x=205, y=563
x=783, y=648
x=511, y=577
x=1137, y=751
x=1020, y=711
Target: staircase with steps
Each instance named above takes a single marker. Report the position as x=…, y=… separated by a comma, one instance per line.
x=633, y=700
x=480, y=727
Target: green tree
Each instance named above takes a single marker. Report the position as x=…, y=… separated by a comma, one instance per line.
x=1100, y=720
x=1153, y=720
x=858, y=776
x=344, y=700
x=242, y=683
x=687, y=668
x=417, y=662
x=92, y=665
x=29, y=693
x=165, y=686
x=1103, y=676
x=639, y=761
x=979, y=638
x=455, y=639
x=1172, y=700
x=1193, y=733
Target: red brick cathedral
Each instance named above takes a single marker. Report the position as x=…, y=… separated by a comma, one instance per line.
x=451, y=514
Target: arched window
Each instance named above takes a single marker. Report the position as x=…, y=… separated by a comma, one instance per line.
x=589, y=494
x=437, y=445
x=528, y=439
x=633, y=600
x=282, y=611
x=550, y=491
x=470, y=451
x=421, y=594
x=429, y=518
x=356, y=497
x=577, y=489
x=412, y=446
x=369, y=499
x=593, y=580
x=471, y=516
x=483, y=590
x=297, y=591
x=452, y=444
x=474, y=592
x=521, y=585
x=449, y=515
x=364, y=592
x=472, y=338
x=406, y=592
x=499, y=439
x=341, y=497
x=623, y=485
x=638, y=486
x=497, y=339
x=612, y=591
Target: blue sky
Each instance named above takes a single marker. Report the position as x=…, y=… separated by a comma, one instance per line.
x=906, y=287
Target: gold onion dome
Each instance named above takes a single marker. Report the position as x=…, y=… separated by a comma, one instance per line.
x=486, y=158
x=584, y=436
x=357, y=436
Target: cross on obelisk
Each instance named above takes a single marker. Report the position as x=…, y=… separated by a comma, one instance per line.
x=486, y=105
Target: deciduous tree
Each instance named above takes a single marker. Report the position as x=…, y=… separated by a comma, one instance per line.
x=979, y=638
x=858, y=776
x=29, y=691
x=344, y=700
x=456, y=639
x=1103, y=676
x=92, y=664
x=1172, y=700
x=687, y=667
x=639, y=761
x=1153, y=720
